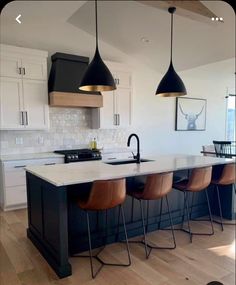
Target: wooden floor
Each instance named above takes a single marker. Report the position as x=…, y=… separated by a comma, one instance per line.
x=206, y=259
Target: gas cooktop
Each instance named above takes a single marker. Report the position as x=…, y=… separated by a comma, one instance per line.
x=84, y=154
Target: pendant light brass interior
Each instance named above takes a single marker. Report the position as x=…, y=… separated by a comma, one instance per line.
x=171, y=84
x=97, y=76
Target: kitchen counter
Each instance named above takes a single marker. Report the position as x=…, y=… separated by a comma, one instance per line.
x=26, y=156
x=57, y=225
x=83, y=172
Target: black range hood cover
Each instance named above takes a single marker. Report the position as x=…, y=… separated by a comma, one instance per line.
x=67, y=72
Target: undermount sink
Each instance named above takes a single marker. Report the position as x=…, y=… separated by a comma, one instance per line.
x=127, y=161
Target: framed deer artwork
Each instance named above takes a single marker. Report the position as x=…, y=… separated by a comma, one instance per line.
x=190, y=114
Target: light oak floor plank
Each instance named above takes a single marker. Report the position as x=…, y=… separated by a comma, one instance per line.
x=208, y=258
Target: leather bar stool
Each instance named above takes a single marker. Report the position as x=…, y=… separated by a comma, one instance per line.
x=227, y=177
x=199, y=180
x=157, y=187
x=104, y=195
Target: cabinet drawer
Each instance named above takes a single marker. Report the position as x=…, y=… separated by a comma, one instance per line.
x=15, y=195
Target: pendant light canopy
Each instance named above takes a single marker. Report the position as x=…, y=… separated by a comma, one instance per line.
x=97, y=76
x=171, y=84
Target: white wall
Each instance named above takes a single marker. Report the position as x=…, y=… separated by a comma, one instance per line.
x=154, y=117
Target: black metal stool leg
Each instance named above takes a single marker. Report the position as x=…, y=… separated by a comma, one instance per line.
x=220, y=209
x=188, y=217
x=144, y=232
x=126, y=237
x=210, y=215
x=171, y=221
x=90, y=249
x=118, y=224
x=183, y=215
x=147, y=219
x=192, y=205
x=132, y=210
x=91, y=256
x=159, y=224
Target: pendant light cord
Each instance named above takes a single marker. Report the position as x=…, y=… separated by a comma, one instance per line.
x=96, y=20
x=171, y=37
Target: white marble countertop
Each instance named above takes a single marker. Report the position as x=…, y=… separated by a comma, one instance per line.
x=82, y=172
x=23, y=156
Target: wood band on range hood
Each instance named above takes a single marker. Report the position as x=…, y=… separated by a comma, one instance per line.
x=67, y=99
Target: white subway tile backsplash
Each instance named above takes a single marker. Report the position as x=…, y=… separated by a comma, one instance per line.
x=69, y=128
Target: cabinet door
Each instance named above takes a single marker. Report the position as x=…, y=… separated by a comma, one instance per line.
x=107, y=119
x=122, y=79
x=11, y=103
x=34, y=68
x=35, y=104
x=123, y=106
x=10, y=66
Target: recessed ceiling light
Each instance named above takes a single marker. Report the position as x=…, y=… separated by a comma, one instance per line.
x=221, y=19
x=213, y=19
x=217, y=19
x=145, y=40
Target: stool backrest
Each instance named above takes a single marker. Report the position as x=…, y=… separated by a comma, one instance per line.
x=157, y=185
x=222, y=148
x=200, y=179
x=228, y=174
x=106, y=194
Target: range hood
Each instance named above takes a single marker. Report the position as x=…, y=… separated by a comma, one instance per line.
x=64, y=80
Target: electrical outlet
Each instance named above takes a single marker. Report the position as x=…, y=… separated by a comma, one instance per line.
x=19, y=140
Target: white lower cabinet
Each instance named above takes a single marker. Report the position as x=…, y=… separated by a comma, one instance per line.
x=13, y=181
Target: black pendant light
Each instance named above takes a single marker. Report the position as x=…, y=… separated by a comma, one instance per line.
x=97, y=76
x=171, y=84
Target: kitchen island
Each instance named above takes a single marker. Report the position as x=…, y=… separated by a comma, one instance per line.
x=57, y=227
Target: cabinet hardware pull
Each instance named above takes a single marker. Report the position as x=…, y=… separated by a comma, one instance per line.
x=23, y=70
x=21, y=118
x=118, y=119
x=118, y=81
x=19, y=70
x=19, y=166
x=52, y=163
x=110, y=158
x=26, y=118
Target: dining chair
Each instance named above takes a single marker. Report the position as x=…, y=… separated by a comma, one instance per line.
x=223, y=148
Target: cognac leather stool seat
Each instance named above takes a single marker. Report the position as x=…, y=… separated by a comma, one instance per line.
x=199, y=180
x=156, y=187
x=104, y=195
x=227, y=177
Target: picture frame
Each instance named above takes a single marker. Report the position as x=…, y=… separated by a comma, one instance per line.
x=190, y=114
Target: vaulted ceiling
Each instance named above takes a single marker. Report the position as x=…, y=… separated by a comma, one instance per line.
x=143, y=32
x=123, y=25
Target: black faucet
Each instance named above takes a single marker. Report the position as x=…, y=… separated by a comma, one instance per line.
x=137, y=156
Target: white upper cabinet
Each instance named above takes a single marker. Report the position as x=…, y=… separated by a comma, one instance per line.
x=33, y=68
x=24, y=94
x=11, y=103
x=116, y=110
x=35, y=105
x=10, y=66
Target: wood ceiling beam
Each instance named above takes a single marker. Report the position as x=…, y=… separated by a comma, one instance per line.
x=194, y=9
